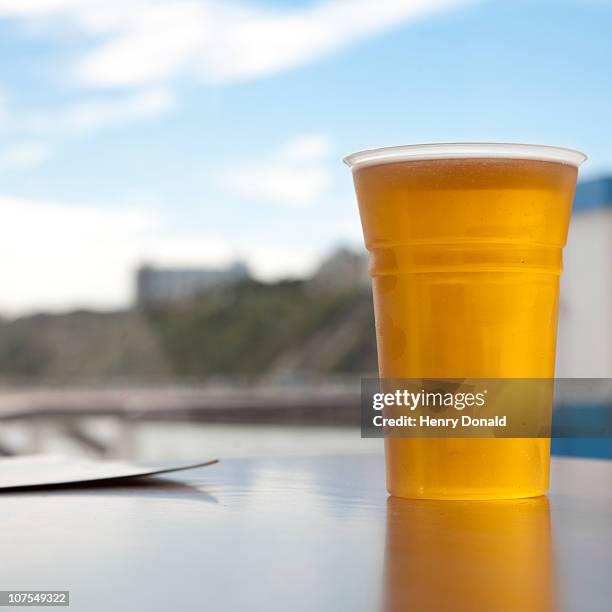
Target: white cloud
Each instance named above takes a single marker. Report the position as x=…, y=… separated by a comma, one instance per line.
x=266, y=42
x=279, y=183
x=101, y=114
x=145, y=46
x=65, y=256
x=84, y=117
x=96, y=114
x=312, y=146
x=23, y=155
x=147, y=41
x=34, y=7
x=296, y=175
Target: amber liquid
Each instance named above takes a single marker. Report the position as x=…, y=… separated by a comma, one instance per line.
x=465, y=258
x=491, y=556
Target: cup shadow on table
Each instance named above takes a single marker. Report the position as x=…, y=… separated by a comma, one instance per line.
x=153, y=487
x=468, y=556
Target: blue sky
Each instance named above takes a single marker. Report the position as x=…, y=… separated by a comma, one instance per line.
x=195, y=132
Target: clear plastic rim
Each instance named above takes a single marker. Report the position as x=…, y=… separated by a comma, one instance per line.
x=456, y=150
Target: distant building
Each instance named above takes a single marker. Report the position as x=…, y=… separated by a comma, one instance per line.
x=585, y=309
x=159, y=285
x=343, y=269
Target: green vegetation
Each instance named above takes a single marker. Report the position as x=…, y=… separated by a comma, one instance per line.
x=253, y=330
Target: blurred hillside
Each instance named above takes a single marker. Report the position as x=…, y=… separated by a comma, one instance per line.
x=253, y=331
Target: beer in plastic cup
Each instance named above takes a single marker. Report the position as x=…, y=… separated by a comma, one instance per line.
x=465, y=244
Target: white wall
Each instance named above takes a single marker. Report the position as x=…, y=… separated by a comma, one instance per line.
x=585, y=313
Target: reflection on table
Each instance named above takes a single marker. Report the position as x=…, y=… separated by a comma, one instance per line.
x=472, y=556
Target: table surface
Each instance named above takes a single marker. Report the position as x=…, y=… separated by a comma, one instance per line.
x=313, y=534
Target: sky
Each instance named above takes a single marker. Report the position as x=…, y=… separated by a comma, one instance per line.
x=197, y=132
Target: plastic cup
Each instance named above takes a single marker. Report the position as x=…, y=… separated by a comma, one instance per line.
x=465, y=244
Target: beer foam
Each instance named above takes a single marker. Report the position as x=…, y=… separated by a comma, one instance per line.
x=462, y=150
